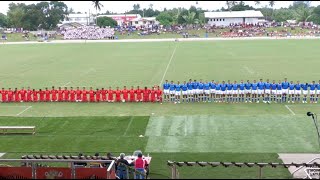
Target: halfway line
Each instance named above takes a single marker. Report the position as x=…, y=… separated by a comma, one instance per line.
x=24, y=111
x=125, y=133
x=290, y=110
x=165, y=72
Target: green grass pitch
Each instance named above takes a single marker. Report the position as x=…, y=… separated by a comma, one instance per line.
x=179, y=132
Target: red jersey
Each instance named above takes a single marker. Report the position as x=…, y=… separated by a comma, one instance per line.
x=132, y=95
x=118, y=93
x=91, y=94
x=78, y=92
x=98, y=95
x=153, y=95
x=139, y=91
x=10, y=94
x=125, y=94
x=16, y=96
x=41, y=93
x=84, y=95
x=47, y=94
x=35, y=96
x=104, y=95
x=159, y=95
x=146, y=94
x=54, y=94
x=23, y=94
x=60, y=95
x=4, y=95
x=110, y=95
x=72, y=95
x=66, y=95
x=29, y=94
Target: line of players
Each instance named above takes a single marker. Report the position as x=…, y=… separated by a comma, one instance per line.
x=194, y=91
x=70, y=95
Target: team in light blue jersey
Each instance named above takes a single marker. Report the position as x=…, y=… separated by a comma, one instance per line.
x=214, y=91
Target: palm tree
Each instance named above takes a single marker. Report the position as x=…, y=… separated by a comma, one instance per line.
x=257, y=3
x=97, y=5
x=303, y=14
x=190, y=18
x=271, y=4
x=230, y=4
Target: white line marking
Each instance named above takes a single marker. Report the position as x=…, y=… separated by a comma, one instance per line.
x=165, y=72
x=125, y=133
x=185, y=127
x=289, y=109
x=1, y=154
x=248, y=70
x=66, y=84
x=24, y=111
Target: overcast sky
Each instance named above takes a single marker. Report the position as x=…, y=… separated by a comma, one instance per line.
x=122, y=6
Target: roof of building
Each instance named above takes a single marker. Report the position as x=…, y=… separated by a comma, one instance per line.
x=78, y=15
x=119, y=15
x=234, y=14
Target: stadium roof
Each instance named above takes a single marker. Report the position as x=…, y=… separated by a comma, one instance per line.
x=234, y=14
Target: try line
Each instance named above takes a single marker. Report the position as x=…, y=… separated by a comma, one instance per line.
x=289, y=109
x=165, y=72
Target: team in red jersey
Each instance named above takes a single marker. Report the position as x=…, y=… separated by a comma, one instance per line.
x=70, y=95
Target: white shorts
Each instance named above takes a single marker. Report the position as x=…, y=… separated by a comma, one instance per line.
x=212, y=91
x=218, y=92
x=166, y=91
x=297, y=92
x=318, y=91
x=184, y=92
x=178, y=93
x=247, y=91
x=260, y=91
x=273, y=91
x=312, y=92
x=254, y=91
x=279, y=92
x=223, y=92
x=199, y=91
x=194, y=91
x=172, y=92
x=284, y=91
x=207, y=91
x=190, y=91
x=267, y=91
x=234, y=91
x=229, y=91
x=305, y=92
x=241, y=91
x=291, y=91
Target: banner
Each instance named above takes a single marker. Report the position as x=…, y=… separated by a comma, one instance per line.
x=91, y=173
x=15, y=173
x=53, y=173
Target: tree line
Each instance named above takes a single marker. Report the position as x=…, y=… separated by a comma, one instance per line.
x=46, y=15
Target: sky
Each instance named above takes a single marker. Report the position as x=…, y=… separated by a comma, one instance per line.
x=123, y=6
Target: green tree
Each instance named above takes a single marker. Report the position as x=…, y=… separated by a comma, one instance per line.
x=165, y=18
x=15, y=15
x=316, y=15
x=241, y=6
x=190, y=18
x=283, y=14
x=302, y=14
x=3, y=20
x=106, y=21
x=136, y=7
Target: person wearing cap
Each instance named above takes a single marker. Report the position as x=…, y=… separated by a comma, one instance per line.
x=139, y=165
x=121, y=165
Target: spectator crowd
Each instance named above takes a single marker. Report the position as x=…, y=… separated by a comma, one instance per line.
x=88, y=32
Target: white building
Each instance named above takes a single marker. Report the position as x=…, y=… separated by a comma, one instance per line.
x=227, y=17
x=84, y=19
x=145, y=21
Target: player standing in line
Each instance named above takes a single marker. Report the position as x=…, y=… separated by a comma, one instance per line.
x=235, y=92
x=23, y=94
x=110, y=95
x=285, y=88
x=305, y=92
x=3, y=95
x=200, y=91
x=267, y=91
x=139, y=92
x=312, y=91
x=195, y=90
x=118, y=95
x=241, y=91
x=248, y=86
x=10, y=95
x=159, y=95
x=60, y=95
x=279, y=92
x=260, y=90
x=177, y=92
x=16, y=95
x=153, y=95
x=35, y=95
x=29, y=95
x=254, y=86
x=166, y=87
x=66, y=94
x=190, y=91
x=125, y=94
x=184, y=88
x=297, y=91
x=98, y=95
x=104, y=95
x=218, y=92
x=146, y=94
x=41, y=95
x=132, y=94
x=273, y=91
x=212, y=91
x=172, y=92
x=229, y=91
x=72, y=95
x=84, y=95
x=78, y=95
x=53, y=94
x=47, y=94
x=291, y=92
x=223, y=87
x=206, y=87
x=318, y=92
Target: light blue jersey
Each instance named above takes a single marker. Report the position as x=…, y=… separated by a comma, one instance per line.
x=298, y=86
x=274, y=86
x=218, y=87
x=261, y=85
x=200, y=85
x=312, y=86
x=166, y=86
x=279, y=86
x=285, y=85
x=178, y=87
x=254, y=86
x=172, y=87
x=248, y=86
x=229, y=86
x=291, y=86
x=235, y=86
x=223, y=87
x=184, y=87
x=241, y=86
x=267, y=85
x=190, y=86
x=206, y=86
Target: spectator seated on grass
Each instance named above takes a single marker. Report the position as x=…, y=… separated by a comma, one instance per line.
x=4, y=37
